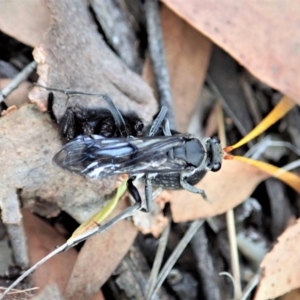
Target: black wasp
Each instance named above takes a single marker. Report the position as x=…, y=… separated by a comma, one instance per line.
x=163, y=158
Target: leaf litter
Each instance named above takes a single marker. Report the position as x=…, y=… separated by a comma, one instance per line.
x=95, y=68
x=270, y=49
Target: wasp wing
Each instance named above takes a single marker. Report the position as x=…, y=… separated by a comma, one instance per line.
x=100, y=157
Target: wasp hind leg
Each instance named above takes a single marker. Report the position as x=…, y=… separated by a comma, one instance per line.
x=120, y=123
x=148, y=192
x=192, y=189
x=129, y=211
x=50, y=104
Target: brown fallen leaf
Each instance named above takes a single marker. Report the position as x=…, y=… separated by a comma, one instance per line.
x=281, y=266
x=293, y=295
x=41, y=240
x=99, y=257
x=263, y=37
x=225, y=189
x=74, y=55
x=187, y=53
x=50, y=292
x=25, y=20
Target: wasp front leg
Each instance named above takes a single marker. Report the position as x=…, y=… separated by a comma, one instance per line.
x=133, y=191
x=191, y=188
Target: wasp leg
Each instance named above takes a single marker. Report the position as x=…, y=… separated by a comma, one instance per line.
x=129, y=211
x=50, y=104
x=134, y=192
x=67, y=125
x=192, y=189
x=120, y=123
x=148, y=192
x=167, y=132
x=158, y=121
x=166, y=128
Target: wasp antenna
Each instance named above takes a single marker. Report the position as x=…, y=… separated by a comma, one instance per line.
x=228, y=156
x=228, y=149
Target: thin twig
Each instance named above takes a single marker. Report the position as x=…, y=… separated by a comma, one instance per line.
x=32, y=269
x=157, y=55
x=251, y=285
x=16, y=81
x=12, y=218
x=195, y=225
x=73, y=242
x=229, y=111
x=230, y=222
x=234, y=253
x=230, y=277
x=158, y=257
x=257, y=150
x=291, y=166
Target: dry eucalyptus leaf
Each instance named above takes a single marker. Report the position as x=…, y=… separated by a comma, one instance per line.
x=28, y=142
x=50, y=292
x=225, y=189
x=261, y=36
x=74, y=55
x=281, y=265
x=41, y=240
x=187, y=53
x=25, y=20
x=293, y=295
x=99, y=257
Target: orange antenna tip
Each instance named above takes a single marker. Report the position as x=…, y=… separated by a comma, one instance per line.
x=228, y=149
x=228, y=156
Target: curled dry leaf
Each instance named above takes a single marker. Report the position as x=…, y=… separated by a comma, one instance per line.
x=41, y=240
x=187, y=53
x=225, y=189
x=16, y=20
x=281, y=272
x=73, y=55
x=28, y=142
x=9, y=110
x=271, y=49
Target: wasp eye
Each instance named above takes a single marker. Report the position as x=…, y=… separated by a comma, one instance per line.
x=139, y=126
x=216, y=167
x=215, y=140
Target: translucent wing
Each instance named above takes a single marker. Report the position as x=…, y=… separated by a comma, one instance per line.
x=100, y=157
